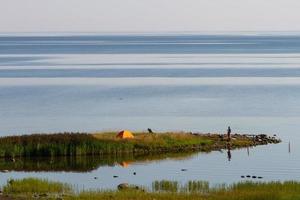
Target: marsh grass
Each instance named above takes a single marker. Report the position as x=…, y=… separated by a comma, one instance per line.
x=78, y=144
x=167, y=190
x=165, y=186
x=31, y=185
x=174, y=186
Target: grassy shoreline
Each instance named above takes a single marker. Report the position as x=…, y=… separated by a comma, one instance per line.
x=31, y=188
x=79, y=144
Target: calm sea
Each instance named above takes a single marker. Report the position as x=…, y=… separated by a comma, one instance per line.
x=199, y=83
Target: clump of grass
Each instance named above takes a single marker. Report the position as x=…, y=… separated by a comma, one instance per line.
x=271, y=190
x=61, y=144
x=197, y=187
x=165, y=186
x=29, y=186
x=174, y=186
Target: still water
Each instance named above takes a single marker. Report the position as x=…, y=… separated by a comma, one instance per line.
x=188, y=82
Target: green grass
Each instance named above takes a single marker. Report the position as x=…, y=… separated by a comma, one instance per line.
x=29, y=188
x=79, y=144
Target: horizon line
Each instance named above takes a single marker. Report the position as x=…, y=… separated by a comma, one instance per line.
x=154, y=33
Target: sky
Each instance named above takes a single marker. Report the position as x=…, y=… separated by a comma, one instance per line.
x=121, y=16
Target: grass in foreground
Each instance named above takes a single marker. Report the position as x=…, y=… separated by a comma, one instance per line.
x=78, y=144
x=32, y=188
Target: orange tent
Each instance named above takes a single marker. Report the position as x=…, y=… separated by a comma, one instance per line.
x=125, y=134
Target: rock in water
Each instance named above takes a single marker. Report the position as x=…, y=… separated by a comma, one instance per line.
x=123, y=186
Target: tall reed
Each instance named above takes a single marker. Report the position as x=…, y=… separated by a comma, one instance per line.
x=78, y=144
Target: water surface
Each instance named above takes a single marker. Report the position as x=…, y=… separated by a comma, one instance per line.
x=191, y=82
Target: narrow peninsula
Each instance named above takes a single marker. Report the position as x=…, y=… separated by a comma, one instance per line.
x=111, y=143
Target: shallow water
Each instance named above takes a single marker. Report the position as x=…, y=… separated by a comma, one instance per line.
x=191, y=83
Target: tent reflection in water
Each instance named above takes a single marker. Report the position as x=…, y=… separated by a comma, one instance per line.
x=124, y=164
x=125, y=134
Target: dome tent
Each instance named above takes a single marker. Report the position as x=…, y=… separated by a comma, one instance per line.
x=125, y=134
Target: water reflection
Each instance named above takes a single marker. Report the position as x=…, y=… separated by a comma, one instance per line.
x=229, y=151
x=83, y=163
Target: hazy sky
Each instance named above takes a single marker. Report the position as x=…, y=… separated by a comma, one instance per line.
x=148, y=15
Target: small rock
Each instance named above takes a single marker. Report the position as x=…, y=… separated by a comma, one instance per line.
x=123, y=186
x=126, y=186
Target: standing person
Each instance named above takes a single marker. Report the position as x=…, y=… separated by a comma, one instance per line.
x=228, y=133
